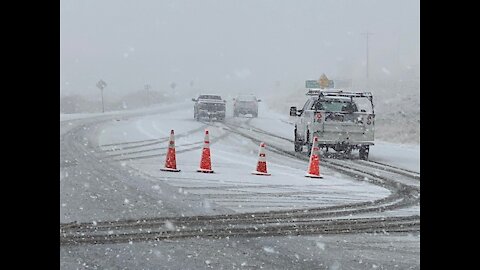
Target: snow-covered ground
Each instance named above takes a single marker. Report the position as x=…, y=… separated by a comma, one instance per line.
x=406, y=156
x=153, y=108
x=234, y=157
x=91, y=190
x=147, y=127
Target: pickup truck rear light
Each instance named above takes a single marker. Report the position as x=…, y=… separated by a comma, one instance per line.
x=318, y=117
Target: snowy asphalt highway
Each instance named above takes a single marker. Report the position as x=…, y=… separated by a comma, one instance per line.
x=109, y=174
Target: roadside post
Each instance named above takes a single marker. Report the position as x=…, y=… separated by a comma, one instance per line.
x=101, y=84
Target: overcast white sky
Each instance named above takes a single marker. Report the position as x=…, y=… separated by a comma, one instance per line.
x=231, y=44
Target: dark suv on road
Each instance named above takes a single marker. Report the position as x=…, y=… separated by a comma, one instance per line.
x=245, y=104
x=209, y=106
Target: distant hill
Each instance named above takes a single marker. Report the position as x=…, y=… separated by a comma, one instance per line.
x=78, y=104
x=139, y=99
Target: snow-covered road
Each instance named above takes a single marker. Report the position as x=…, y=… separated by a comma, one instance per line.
x=113, y=172
x=233, y=158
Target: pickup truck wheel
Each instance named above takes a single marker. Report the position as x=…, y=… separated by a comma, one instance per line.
x=364, y=150
x=309, y=144
x=297, y=145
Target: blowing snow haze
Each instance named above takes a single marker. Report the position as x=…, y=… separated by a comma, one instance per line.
x=226, y=46
x=152, y=177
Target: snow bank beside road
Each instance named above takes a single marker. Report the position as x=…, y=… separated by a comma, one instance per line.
x=74, y=116
x=406, y=156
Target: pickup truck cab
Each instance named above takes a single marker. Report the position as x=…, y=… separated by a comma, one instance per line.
x=209, y=106
x=334, y=116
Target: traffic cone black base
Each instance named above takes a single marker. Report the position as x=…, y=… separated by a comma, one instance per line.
x=169, y=170
x=261, y=173
x=313, y=175
x=205, y=171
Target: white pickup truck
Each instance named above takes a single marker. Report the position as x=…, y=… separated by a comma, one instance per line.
x=336, y=118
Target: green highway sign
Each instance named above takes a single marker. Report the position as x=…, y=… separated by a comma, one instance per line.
x=316, y=84
x=312, y=84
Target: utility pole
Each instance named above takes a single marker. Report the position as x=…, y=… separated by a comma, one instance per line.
x=366, y=35
x=147, y=87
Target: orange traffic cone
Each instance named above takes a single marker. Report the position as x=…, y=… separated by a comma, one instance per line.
x=205, y=163
x=262, y=161
x=170, y=161
x=314, y=164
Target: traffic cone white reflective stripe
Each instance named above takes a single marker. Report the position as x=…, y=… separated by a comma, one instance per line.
x=170, y=160
x=262, y=161
x=205, y=162
x=314, y=164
